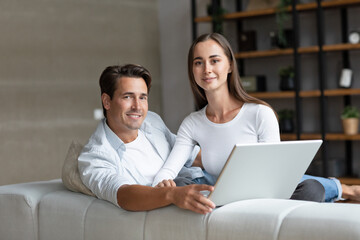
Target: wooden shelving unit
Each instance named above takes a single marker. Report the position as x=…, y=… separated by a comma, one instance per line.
x=305, y=94
x=301, y=50
x=272, y=11
x=328, y=137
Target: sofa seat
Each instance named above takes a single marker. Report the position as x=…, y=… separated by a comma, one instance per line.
x=48, y=211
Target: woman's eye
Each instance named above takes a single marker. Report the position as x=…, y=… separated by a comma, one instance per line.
x=215, y=60
x=197, y=63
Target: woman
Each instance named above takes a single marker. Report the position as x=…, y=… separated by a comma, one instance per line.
x=227, y=116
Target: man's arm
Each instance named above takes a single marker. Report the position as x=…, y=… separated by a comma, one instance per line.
x=143, y=198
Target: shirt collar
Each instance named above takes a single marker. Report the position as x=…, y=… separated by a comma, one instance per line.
x=113, y=139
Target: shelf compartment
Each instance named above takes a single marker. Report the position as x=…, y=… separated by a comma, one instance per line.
x=272, y=11
x=276, y=52
x=349, y=180
x=342, y=92
x=313, y=136
x=285, y=94
x=305, y=94
x=304, y=136
x=340, y=47
x=341, y=137
x=268, y=95
x=301, y=50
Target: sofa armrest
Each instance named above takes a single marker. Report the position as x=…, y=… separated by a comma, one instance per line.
x=19, y=205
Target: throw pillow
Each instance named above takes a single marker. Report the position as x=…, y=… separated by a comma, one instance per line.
x=70, y=173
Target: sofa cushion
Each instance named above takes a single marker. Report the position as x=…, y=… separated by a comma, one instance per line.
x=253, y=219
x=70, y=173
x=66, y=215
x=322, y=222
x=179, y=224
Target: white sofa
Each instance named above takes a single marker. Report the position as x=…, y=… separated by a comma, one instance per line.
x=48, y=211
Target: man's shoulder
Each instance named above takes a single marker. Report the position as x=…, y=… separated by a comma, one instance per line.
x=153, y=120
x=98, y=140
x=153, y=117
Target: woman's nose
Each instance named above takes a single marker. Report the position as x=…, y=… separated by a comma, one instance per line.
x=207, y=68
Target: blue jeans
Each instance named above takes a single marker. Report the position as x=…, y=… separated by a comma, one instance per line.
x=332, y=186
x=206, y=179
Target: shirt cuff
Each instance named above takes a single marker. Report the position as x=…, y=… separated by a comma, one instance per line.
x=338, y=184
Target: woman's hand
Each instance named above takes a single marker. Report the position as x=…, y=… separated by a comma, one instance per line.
x=166, y=183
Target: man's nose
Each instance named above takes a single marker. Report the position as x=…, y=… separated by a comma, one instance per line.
x=136, y=104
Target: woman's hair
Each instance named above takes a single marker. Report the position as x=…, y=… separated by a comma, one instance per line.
x=233, y=79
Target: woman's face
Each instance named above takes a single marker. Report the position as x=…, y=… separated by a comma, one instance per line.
x=210, y=66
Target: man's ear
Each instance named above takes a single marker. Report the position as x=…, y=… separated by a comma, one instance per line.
x=105, y=101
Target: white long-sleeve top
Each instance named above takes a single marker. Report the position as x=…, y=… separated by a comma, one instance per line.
x=254, y=123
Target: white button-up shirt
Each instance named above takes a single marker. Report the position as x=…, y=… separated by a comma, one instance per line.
x=103, y=169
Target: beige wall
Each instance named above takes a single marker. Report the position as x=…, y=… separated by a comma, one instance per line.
x=51, y=55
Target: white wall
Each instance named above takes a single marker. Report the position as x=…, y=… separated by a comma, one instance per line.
x=175, y=40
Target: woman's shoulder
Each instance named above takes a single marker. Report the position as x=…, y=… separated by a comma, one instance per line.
x=194, y=117
x=258, y=107
x=258, y=110
x=197, y=114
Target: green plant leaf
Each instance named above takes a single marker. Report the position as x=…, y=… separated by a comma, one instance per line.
x=350, y=112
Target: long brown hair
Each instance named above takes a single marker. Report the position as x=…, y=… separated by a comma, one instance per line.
x=233, y=79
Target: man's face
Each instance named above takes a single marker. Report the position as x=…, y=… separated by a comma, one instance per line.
x=127, y=109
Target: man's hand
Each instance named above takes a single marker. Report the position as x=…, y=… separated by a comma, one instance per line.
x=166, y=183
x=144, y=198
x=189, y=197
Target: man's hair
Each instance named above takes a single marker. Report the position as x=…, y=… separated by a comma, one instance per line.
x=110, y=76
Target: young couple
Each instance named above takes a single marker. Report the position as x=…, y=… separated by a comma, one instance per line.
x=135, y=162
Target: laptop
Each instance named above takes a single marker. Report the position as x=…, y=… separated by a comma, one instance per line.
x=263, y=170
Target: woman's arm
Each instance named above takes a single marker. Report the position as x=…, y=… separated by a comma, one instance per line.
x=180, y=153
x=267, y=125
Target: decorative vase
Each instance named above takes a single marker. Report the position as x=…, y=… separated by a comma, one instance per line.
x=350, y=126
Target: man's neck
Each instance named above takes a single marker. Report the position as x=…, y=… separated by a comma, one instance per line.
x=126, y=135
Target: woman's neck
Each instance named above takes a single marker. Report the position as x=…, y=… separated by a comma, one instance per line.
x=222, y=107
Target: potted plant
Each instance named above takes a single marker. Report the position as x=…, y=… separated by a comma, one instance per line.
x=217, y=17
x=350, y=120
x=287, y=75
x=286, y=120
x=281, y=17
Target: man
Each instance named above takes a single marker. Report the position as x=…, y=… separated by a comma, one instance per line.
x=129, y=147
